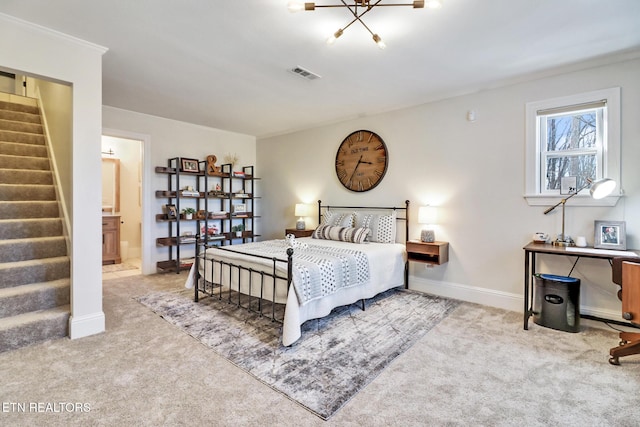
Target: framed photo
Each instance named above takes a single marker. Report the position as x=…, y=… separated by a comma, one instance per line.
x=239, y=208
x=189, y=165
x=568, y=184
x=610, y=235
x=171, y=211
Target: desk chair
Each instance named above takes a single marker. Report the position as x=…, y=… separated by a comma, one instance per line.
x=627, y=274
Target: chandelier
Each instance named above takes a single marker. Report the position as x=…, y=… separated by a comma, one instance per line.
x=358, y=8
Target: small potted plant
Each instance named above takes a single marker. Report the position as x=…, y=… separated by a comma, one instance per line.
x=188, y=213
x=238, y=229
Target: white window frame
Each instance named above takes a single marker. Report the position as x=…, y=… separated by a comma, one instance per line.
x=608, y=165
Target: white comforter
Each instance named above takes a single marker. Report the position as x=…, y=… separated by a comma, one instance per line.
x=386, y=263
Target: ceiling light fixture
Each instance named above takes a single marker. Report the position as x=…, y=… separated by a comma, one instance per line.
x=358, y=8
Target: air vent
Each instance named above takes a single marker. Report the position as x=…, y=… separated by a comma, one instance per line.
x=305, y=74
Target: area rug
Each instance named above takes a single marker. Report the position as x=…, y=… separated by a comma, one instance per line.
x=335, y=357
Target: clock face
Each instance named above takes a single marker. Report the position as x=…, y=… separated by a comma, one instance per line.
x=361, y=161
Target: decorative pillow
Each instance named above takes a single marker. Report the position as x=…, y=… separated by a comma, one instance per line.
x=339, y=219
x=383, y=226
x=342, y=234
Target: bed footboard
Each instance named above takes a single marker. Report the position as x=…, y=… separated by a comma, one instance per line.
x=224, y=279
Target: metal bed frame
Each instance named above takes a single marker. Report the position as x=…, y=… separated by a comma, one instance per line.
x=209, y=287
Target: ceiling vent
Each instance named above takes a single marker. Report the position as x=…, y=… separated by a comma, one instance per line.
x=305, y=74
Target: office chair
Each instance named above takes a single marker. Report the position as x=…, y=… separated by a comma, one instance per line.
x=627, y=274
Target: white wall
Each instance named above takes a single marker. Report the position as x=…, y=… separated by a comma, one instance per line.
x=36, y=51
x=167, y=139
x=474, y=172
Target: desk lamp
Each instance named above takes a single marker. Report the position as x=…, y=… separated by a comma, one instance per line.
x=599, y=190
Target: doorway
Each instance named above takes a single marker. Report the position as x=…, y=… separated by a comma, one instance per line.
x=128, y=154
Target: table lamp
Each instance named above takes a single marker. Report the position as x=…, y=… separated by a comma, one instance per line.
x=301, y=211
x=599, y=190
x=427, y=215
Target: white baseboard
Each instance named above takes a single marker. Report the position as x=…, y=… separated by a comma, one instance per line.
x=84, y=326
x=491, y=297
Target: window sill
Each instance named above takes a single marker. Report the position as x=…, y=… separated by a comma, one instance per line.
x=547, y=200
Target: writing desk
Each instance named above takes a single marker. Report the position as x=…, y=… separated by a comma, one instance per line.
x=530, y=251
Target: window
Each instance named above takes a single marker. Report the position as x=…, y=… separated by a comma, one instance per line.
x=577, y=136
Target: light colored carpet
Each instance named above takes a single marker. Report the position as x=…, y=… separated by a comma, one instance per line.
x=334, y=359
x=476, y=367
x=112, y=268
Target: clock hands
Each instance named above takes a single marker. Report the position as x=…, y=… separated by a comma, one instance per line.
x=356, y=168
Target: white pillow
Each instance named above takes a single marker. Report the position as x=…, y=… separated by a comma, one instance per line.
x=338, y=219
x=342, y=234
x=383, y=226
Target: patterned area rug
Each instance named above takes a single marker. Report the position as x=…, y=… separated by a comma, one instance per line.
x=335, y=357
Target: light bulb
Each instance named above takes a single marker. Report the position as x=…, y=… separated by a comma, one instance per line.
x=379, y=41
x=334, y=37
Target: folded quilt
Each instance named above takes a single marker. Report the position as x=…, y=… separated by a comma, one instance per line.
x=318, y=271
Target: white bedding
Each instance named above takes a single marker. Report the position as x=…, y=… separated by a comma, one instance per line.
x=386, y=262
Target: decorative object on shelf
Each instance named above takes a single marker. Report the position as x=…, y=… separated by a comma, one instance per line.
x=188, y=213
x=238, y=229
x=361, y=161
x=232, y=159
x=610, y=235
x=189, y=165
x=201, y=214
x=301, y=211
x=358, y=8
x=428, y=215
x=239, y=208
x=212, y=169
x=170, y=211
x=187, y=237
x=598, y=190
x=211, y=230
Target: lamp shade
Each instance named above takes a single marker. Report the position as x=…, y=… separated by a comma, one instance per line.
x=427, y=215
x=301, y=210
x=602, y=188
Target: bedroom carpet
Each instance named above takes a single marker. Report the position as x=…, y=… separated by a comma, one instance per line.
x=477, y=367
x=334, y=359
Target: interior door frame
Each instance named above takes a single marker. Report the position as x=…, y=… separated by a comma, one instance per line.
x=145, y=255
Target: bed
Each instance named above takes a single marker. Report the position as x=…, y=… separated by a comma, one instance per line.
x=353, y=255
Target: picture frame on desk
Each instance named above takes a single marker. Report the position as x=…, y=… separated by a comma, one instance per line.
x=610, y=235
x=189, y=165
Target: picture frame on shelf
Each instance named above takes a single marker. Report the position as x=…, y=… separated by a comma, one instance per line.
x=170, y=211
x=610, y=235
x=189, y=165
x=239, y=208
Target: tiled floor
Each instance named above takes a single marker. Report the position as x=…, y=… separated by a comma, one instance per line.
x=124, y=273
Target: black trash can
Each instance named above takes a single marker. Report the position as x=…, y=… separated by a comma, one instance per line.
x=556, y=302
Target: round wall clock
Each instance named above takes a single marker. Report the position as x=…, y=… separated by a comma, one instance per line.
x=361, y=161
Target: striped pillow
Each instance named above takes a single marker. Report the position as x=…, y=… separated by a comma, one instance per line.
x=342, y=234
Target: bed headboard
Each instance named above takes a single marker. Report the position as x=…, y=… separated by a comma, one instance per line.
x=402, y=214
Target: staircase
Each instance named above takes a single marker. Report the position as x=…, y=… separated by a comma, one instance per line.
x=34, y=262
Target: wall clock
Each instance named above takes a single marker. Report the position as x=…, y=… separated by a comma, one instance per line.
x=361, y=161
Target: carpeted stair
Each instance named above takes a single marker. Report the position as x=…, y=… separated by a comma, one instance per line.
x=34, y=262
